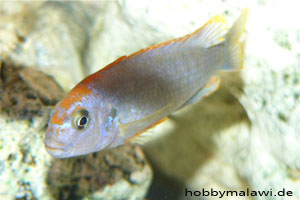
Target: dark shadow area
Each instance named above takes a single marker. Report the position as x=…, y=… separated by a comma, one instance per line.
x=163, y=187
x=190, y=143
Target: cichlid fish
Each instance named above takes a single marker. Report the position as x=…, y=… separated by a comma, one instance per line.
x=122, y=100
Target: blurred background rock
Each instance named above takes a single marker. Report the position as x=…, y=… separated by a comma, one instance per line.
x=246, y=135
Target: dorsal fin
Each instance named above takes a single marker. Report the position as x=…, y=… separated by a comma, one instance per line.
x=211, y=33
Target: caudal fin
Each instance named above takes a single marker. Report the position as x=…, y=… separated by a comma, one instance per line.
x=234, y=58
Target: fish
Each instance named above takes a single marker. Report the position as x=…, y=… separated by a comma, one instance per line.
x=118, y=103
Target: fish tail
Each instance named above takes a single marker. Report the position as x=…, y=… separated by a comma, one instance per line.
x=234, y=58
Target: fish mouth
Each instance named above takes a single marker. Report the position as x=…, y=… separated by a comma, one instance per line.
x=54, y=145
x=57, y=150
x=54, y=148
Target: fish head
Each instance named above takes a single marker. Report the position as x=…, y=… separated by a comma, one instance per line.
x=79, y=124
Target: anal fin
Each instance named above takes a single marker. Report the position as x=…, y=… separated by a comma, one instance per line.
x=206, y=90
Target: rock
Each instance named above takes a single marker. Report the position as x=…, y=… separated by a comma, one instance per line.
x=121, y=173
x=48, y=35
x=25, y=91
x=24, y=163
x=271, y=98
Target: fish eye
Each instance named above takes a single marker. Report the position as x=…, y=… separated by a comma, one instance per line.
x=81, y=119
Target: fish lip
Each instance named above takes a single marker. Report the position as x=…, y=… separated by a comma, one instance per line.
x=51, y=148
x=52, y=145
x=57, y=152
x=53, y=142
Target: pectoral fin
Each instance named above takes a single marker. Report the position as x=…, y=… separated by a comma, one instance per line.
x=143, y=136
x=133, y=129
x=206, y=90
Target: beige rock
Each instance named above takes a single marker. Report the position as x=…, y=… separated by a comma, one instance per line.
x=48, y=35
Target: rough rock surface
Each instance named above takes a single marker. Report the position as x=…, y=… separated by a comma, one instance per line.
x=121, y=173
x=48, y=35
x=26, y=91
x=246, y=135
